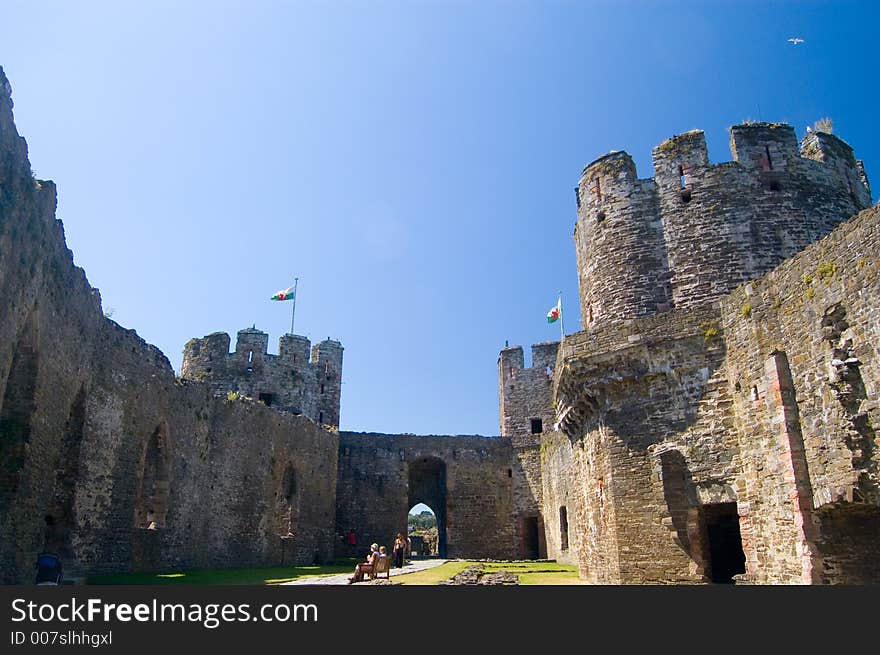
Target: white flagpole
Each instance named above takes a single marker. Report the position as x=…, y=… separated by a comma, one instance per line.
x=561, y=320
x=293, y=311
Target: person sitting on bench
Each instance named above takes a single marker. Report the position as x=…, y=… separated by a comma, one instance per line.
x=367, y=566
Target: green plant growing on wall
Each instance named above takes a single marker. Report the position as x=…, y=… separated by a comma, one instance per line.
x=232, y=396
x=826, y=270
x=811, y=292
x=807, y=278
x=710, y=330
x=746, y=310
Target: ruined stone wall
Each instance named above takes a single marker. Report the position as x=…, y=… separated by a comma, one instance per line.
x=562, y=488
x=646, y=440
x=696, y=230
x=526, y=412
x=99, y=442
x=289, y=381
x=804, y=372
x=764, y=405
x=380, y=477
x=525, y=395
x=527, y=495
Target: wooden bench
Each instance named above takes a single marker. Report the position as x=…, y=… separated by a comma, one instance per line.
x=382, y=565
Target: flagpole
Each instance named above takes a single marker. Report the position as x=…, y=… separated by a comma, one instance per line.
x=293, y=311
x=561, y=321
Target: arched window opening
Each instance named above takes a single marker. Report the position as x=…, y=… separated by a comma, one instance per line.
x=154, y=485
x=421, y=523
x=60, y=518
x=426, y=491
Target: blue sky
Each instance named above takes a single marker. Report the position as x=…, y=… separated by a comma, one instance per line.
x=413, y=163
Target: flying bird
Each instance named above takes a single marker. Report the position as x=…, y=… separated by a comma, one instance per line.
x=795, y=40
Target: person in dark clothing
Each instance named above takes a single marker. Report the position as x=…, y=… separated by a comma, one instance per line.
x=399, y=550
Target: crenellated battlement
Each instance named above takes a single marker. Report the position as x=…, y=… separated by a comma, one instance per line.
x=301, y=378
x=695, y=230
x=526, y=394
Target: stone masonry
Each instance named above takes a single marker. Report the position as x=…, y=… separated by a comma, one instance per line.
x=290, y=381
x=106, y=457
x=696, y=230
x=712, y=434
x=715, y=420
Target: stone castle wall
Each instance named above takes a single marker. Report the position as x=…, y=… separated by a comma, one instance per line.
x=681, y=421
x=468, y=482
x=688, y=407
x=106, y=457
x=762, y=406
x=644, y=438
x=696, y=230
x=804, y=372
x=526, y=411
x=290, y=381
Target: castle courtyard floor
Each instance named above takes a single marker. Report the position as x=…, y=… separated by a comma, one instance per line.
x=342, y=578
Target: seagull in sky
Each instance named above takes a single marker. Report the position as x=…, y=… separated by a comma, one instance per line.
x=796, y=39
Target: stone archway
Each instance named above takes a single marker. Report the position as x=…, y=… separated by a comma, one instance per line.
x=154, y=485
x=427, y=485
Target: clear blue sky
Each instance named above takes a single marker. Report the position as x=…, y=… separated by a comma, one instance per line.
x=412, y=162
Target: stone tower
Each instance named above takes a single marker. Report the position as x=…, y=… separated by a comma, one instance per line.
x=696, y=230
x=525, y=395
x=291, y=381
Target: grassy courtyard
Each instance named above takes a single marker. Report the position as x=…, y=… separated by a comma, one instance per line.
x=274, y=575
x=528, y=573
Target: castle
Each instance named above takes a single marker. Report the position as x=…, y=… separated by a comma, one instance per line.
x=289, y=381
x=713, y=421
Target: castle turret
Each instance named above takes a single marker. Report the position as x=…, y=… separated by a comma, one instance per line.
x=840, y=159
x=327, y=358
x=251, y=348
x=288, y=381
x=525, y=395
x=206, y=356
x=703, y=244
x=621, y=260
x=725, y=224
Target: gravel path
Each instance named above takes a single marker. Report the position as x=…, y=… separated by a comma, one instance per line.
x=342, y=578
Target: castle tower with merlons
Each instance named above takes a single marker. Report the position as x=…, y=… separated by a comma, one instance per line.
x=290, y=381
x=696, y=230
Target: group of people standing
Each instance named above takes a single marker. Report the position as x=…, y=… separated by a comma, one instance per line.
x=399, y=552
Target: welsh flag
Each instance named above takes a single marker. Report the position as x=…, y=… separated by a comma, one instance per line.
x=287, y=294
x=555, y=312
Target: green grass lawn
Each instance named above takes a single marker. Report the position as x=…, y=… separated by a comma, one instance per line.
x=529, y=573
x=435, y=575
x=273, y=575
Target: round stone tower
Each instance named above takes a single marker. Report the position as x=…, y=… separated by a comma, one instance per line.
x=620, y=255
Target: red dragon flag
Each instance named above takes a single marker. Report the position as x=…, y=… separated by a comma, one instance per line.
x=555, y=312
x=287, y=294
